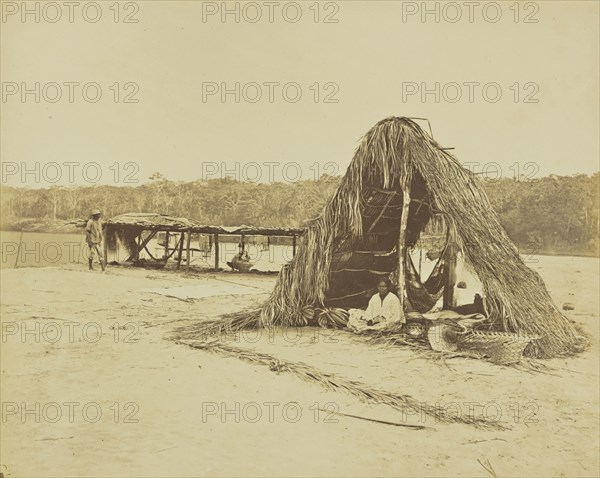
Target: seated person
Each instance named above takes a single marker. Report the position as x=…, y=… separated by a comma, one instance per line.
x=241, y=262
x=383, y=309
x=477, y=307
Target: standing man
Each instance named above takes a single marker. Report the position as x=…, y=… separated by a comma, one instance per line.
x=93, y=237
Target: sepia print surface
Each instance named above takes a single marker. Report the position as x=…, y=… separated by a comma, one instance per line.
x=304, y=238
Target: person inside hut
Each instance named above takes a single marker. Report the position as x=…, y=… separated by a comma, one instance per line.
x=383, y=309
x=93, y=238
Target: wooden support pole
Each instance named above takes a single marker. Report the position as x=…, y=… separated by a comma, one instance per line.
x=294, y=246
x=166, y=246
x=216, y=241
x=105, y=245
x=139, y=247
x=180, y=253
x=451, y=254
x=387, y=203
x=402, y=244
x=188, y=256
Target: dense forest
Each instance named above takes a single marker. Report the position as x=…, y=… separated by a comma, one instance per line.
x=557, y=214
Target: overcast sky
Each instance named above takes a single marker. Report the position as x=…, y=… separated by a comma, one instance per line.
x=357, y=63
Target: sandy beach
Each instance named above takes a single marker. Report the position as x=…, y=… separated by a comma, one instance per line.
x=93, y=384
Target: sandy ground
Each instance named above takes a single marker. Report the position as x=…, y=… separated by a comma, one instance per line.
x=91, y=387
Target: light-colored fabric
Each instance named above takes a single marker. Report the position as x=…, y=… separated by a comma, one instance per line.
x=358, y=321
x=389, y=308
x=94, y=230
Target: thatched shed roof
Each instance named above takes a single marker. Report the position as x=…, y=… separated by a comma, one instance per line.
x=162, y=222
x=150, y=220
x=364, y=216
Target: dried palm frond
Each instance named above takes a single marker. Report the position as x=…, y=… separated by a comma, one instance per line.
x=333, y=382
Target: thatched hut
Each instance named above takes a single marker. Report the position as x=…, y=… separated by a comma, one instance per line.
x=399, y=179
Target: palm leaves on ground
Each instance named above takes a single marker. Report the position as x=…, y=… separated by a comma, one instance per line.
x=333, y=382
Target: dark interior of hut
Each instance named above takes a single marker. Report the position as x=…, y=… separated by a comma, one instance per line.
x=358, y=262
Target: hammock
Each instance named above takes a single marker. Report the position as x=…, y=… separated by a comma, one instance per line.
x=169, y=256
x=423, y=296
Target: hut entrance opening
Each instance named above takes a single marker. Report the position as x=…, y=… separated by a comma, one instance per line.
x=358, y=263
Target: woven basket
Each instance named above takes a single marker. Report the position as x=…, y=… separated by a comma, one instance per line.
x=443, y=338
x=500, y=347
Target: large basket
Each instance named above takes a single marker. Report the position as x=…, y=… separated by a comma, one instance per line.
x=443, y=338
x=500, y=347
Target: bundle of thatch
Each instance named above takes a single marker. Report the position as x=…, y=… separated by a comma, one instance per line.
x=399, y=178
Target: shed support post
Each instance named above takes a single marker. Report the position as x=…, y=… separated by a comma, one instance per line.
x=166, y=246
x=180, y=252
x=216, y=252
x=294, y=246
x=138, y=247
x=188, y=256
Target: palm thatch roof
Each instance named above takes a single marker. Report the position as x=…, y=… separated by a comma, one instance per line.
x=364, y=219
x=150, y=220
x=164, y=222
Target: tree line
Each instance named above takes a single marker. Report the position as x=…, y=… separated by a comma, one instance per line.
x=551, y=214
